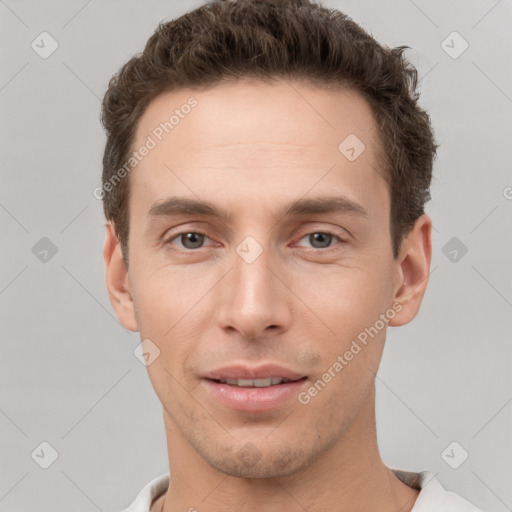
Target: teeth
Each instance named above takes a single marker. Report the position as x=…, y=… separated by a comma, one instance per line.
x=257, y=383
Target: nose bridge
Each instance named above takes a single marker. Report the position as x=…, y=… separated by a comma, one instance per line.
x=254, y=298
x=251, y=271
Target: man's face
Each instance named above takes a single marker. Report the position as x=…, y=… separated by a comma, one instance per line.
x=261, y=287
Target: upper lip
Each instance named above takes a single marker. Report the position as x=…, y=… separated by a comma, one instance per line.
x=254, y=372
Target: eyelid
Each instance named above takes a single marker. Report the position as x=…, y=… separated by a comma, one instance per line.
x=309, y=230
x=169, y=239
x=332, y=247
x=337, y=231
x=328, y=231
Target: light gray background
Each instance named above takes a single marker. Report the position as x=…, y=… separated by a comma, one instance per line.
x=68, y=375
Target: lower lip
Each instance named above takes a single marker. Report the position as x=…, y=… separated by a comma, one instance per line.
x=252, y=398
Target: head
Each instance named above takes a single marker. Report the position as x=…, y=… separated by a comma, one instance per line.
x=290, y=121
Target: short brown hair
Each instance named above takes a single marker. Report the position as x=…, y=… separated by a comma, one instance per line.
x=232, y=39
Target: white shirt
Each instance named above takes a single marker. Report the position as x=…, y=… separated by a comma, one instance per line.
x=432, y=497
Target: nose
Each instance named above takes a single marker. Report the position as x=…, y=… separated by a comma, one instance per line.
x=255, y=300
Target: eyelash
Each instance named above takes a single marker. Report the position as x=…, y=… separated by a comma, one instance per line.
x=199, y=232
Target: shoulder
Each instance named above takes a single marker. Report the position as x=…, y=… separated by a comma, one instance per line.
x=148, y=494
x=433, y=497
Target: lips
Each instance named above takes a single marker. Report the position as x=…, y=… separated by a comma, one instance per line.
x=252, y=389
x=253, y=373
x=256, y=383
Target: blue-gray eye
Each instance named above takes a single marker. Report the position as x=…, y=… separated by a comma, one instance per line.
x=322, y=239
x=193, y=238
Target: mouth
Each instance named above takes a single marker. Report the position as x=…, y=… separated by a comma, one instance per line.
x=242, y=387
x=254, y=395
x=256, y=383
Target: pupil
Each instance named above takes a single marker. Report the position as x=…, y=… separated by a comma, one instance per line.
x=316, y=236
x=195, y=238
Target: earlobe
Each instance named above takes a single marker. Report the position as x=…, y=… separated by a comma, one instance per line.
x=117, y=281
x=413, y=267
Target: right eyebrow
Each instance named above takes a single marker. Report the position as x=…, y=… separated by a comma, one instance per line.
x=305, y=206
x=184, y=206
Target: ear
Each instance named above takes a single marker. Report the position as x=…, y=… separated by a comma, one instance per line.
x=413, y=267
x=117, y=281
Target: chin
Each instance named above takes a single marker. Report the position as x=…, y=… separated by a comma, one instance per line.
x=251, y=462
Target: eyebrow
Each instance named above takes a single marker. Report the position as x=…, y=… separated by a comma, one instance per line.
x=181, y=206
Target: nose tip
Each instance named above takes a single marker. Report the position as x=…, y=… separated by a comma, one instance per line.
x=254, y=301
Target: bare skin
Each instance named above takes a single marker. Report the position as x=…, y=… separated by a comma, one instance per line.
x=250, y=149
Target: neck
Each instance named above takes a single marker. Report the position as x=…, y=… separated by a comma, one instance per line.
x=350, y=475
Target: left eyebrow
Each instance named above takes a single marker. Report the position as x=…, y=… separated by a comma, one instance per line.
x=182, y=206
x=330, y=204
x=185, y=206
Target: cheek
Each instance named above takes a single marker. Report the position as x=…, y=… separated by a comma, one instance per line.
x=170, y=306
x=347, y=304
x=164, y=296
x=345, y=300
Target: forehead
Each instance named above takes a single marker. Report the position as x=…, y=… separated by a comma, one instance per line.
x=246, y=110
x=257, y=138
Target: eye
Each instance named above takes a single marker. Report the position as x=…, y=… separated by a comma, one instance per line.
x=321, y=239
x=189, y=240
